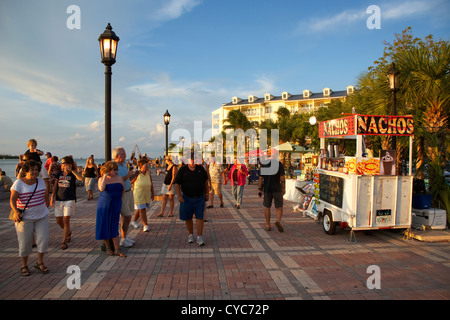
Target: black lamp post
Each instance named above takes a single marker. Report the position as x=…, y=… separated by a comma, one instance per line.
x=182, y=141
x=108, y=49
x=392, y=76
x=166, y=122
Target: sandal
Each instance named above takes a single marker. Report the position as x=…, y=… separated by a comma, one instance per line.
x=109, y=252
x=41, y=267
x=64, y=246
x=69, y=237
x=119, y=254
x=24, y=271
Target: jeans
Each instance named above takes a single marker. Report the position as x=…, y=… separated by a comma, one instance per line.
x=237, y=191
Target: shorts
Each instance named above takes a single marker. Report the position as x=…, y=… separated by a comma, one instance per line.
x=90, y=183
x=192, y=206
x=276, y=196
x=164, y=189
x=64, y=208
x=142, y=206
x=29, y=229
x=216, y=188
x=127, y=204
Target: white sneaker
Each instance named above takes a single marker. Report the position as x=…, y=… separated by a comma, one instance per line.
x=200, y=241
x=130, y=240
x=125, y=243
x=135, y=224
x=191, y=238
x=146, y=228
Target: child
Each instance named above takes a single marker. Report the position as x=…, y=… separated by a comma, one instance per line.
x=32, y=153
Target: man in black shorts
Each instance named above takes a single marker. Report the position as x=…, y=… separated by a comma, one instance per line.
x=274, y=187
x=192, y=180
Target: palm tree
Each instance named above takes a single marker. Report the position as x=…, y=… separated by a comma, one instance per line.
x=427, y=90
x=237, y=120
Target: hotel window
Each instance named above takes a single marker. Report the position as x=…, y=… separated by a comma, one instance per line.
x=268, y=96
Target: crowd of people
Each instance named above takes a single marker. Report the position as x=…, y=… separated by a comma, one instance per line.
x=125, y=196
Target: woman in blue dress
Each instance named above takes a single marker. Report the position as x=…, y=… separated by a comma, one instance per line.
x=109, y=203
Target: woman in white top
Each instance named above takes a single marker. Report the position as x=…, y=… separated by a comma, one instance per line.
x=28, y=194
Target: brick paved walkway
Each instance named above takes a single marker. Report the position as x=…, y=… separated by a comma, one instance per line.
x=239, y=261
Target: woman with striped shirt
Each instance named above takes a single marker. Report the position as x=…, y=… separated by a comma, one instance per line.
x=28, y=194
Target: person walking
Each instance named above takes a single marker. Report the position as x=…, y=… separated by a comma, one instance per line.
x=273, y=187
x=119, y=155
x=53, y=170
x=109, y=204
x=237, y=174
x=30, y=215
x=143, y=193
x=215, y=173
x=90, y=173
x=64, y=196
x=168, y=187
x=191, y=186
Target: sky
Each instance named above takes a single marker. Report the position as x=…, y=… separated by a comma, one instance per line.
x=185, y=56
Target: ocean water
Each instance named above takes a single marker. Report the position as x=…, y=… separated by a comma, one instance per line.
x=9, y=165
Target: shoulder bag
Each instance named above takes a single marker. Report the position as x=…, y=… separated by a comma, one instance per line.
x=21, y=211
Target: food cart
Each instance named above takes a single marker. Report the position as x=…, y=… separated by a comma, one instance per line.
x=362, y=193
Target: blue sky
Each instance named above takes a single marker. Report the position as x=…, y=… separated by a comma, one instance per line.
x=187, y=56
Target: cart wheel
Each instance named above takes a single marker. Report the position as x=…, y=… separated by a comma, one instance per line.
x=329, y=226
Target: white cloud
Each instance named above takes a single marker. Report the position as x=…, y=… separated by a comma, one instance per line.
x=346, y=17
x=95, y=126
x=389, y=11
x=173, y=9
x=159, y=130
x=406, y=9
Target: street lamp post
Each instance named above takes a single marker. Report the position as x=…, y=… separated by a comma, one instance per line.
x=392, y=76
x=182, y=142
x=166, y=122
x=108, y=49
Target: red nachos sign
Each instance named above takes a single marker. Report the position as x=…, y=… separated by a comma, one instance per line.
x=367, y=125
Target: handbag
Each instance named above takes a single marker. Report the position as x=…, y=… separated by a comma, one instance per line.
x=21, y=211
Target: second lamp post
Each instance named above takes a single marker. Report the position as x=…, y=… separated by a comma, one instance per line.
x=166, y=122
